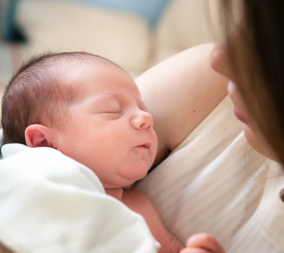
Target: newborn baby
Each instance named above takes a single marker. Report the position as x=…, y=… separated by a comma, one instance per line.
x=90, y=109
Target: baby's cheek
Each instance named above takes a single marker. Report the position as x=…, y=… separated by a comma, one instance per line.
x=155, y=146
x=153, y=154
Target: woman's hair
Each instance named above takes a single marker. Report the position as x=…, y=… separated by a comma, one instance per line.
x=36, y=94
x=255, y=45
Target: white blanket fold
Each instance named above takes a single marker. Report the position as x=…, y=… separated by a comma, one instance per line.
x=51, y=203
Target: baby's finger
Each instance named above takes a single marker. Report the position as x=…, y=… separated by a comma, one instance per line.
x=194, y=250
x=204, y=241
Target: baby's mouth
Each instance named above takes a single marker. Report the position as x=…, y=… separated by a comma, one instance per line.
x=145, y=145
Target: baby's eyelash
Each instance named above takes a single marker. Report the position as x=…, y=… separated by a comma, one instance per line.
x=113, y=112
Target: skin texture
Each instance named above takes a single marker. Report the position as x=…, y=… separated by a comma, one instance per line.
x=109, y=120
x=220, y=62
x=139, y=203
x=202, y=243
x=180, y=93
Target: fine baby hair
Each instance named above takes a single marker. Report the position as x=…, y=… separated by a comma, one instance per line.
x=37, y=94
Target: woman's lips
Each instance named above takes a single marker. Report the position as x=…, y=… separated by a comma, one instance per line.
x=239, y=116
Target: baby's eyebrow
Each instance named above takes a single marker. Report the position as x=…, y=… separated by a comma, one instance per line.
x=120, y=98
x=107, y=96
x=105, y=99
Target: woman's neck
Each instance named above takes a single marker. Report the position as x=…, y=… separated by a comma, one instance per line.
x=115, y=192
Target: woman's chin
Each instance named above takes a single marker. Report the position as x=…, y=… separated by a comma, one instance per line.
x=258, y=143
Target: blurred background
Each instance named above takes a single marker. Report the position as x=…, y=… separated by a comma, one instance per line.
x=135, y=34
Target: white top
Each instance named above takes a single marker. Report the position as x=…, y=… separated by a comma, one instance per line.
x=214, y=182
x=51, y=203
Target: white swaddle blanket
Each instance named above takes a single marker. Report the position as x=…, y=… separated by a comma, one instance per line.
x=213, y=182
x=51, y=203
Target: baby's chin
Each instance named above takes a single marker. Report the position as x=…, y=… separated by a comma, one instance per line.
x=122, y=183
x=131, y=179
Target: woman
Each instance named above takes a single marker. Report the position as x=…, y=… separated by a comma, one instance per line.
x=210, y=183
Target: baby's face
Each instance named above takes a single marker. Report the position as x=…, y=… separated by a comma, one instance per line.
x=110, y=130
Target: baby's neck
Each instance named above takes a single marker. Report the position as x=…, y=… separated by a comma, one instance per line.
x=115, y=192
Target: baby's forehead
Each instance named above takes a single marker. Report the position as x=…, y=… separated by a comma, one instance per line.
x=82, y=73
x=101, y=78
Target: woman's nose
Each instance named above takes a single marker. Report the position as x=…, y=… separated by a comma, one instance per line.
x=219, y=60
x=142, y=120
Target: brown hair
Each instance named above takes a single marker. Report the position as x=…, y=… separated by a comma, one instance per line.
x=4, y=249
x=36, y=95
x=257, y=57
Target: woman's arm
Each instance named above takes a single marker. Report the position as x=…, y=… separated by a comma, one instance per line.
x=180, y=93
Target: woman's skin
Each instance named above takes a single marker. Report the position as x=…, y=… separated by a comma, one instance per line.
x=221, y=63
x=180, y=93
x=192, y=89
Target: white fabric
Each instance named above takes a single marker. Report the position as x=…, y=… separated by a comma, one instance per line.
x=213, y=182
x=51, y=203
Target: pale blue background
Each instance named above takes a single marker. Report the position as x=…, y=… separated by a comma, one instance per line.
x=151, y=10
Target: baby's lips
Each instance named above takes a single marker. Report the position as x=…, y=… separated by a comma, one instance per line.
x=146, y=145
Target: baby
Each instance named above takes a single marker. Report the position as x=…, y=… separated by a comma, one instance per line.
x=90, y=109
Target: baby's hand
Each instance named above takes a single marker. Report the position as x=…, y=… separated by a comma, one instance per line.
x=202, y=243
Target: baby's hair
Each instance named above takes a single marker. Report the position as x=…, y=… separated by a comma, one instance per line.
x=36, y=94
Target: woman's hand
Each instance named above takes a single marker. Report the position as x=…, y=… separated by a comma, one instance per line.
x=202, y=243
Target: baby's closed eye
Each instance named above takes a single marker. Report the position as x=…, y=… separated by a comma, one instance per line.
x=110, y=114
x=110, y=108
x=109, y=111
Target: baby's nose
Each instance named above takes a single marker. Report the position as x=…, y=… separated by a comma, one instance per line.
x=142, y=120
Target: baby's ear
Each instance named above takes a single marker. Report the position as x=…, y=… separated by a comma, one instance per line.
x=39, y=136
